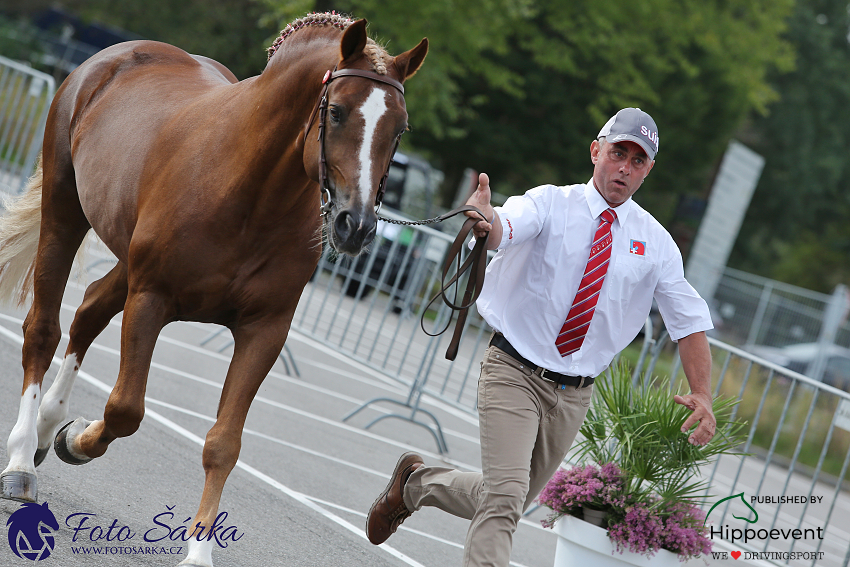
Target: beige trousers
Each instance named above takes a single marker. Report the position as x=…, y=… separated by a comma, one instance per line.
x=527, y=425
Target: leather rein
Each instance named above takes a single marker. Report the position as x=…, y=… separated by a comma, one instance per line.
x=475, y=263
x=321, y=108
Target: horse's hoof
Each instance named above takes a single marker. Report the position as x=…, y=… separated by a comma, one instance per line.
x=18, y=485
x=40, y=454
x=60, y=447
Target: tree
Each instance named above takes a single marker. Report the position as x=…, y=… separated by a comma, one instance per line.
x=520, y=87
x=796, y=229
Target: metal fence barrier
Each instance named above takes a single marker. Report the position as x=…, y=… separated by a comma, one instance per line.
x=370, y=307
x=755, y=310
x=797, y=445
x=25, y=97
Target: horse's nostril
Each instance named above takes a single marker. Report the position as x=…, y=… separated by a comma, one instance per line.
x=369, y=236
x=344, y=226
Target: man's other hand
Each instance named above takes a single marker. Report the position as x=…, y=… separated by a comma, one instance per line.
x=700, y=405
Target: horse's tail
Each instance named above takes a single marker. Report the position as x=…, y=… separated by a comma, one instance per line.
x=19, y=230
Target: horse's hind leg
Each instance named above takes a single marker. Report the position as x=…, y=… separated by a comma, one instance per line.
x=63, y=227
x=255, y=352
x=103, y=300
x=145, y=313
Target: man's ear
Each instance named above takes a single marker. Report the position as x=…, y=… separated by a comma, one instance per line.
x=594, y=151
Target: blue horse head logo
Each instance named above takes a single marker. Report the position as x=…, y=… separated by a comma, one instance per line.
x=31, y=531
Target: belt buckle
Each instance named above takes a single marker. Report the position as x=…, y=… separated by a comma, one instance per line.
x=543, y=375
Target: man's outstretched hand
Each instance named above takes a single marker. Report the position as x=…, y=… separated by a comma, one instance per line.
x=700, y=405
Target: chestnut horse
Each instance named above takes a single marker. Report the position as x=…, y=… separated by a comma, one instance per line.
x=207, y=191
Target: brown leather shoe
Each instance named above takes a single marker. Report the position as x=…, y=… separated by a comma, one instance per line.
x=389, y=511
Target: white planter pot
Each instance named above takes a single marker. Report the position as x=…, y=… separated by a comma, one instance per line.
x=581, y=544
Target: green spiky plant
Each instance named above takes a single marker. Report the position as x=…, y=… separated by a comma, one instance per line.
x=638, y=427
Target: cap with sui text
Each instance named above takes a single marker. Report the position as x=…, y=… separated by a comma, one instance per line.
x=632, y=125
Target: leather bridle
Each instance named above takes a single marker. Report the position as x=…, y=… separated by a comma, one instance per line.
x=321, y=107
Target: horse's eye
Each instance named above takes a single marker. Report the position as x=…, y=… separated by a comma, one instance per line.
x=335, y=114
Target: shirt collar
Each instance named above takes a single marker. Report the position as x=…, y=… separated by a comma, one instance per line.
x=598, y=205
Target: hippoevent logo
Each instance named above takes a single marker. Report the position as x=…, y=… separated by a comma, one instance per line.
x=31, y=531
x=755, y=536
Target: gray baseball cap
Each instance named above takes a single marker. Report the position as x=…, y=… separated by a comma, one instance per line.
x=633, y=125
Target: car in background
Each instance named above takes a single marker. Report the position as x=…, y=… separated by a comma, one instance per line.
x=801, y=358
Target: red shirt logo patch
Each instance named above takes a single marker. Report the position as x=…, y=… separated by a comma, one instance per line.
x=637, y=247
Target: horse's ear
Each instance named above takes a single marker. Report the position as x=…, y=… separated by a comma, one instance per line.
x=353, y=40
x=409, y=62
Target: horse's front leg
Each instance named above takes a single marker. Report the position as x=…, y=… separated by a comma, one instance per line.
x=255, y=350
x=81, y=441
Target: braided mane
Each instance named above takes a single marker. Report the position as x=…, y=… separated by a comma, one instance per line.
x=375, y=54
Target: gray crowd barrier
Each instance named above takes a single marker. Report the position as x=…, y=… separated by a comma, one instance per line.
x=25, y=97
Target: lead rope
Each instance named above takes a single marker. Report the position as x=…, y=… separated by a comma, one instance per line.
x=475, y=264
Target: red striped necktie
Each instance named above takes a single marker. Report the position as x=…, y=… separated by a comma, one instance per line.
x=578, y=319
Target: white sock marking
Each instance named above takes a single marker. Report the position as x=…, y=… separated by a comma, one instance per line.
x=200, y=553
x=23, y=439
x=53, y=410
x=372, y=109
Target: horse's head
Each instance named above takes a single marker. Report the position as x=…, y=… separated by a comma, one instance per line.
x=363, y=116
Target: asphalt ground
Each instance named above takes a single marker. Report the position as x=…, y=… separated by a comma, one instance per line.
x=305, y=479
x=304, y=482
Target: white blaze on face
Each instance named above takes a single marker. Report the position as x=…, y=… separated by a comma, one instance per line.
x=372, y=109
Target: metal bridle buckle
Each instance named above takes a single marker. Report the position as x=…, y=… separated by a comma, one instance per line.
x=327, y=204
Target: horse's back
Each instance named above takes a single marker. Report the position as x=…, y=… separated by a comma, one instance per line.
x=115, y=110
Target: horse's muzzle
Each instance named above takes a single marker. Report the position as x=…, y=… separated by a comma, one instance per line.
x=353, y=231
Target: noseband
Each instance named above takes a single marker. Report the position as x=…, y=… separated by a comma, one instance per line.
x=321, y=107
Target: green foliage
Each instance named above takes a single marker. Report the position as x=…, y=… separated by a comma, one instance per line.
x=805, y=141
x=17, y=40
x=228, y=31
x=638, y=427
x=519, y=88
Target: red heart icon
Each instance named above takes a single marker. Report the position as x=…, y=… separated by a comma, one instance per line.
x=736, y=554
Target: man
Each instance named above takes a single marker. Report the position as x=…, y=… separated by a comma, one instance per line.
x=570, y=287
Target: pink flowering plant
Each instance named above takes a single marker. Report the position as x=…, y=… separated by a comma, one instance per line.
x=640, y=469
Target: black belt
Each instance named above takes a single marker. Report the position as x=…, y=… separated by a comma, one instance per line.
x=499, y=341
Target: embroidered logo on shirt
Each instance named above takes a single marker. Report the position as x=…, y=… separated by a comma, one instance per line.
x=511, y=228
x=637, y=247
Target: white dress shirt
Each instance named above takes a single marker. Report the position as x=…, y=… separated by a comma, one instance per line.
x=532, y=280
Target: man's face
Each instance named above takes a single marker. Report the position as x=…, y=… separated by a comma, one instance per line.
x=619, y=169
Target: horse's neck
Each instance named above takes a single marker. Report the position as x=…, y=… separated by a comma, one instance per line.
x=292, y=81
x=275, y=109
